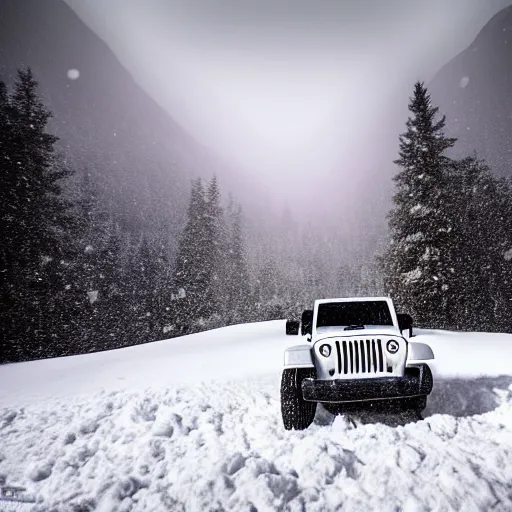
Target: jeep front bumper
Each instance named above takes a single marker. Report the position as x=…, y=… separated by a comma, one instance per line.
x=417, y=381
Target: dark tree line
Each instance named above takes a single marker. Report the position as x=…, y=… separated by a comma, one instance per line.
x=450, y=259
x=73, y=279
x=211, y=281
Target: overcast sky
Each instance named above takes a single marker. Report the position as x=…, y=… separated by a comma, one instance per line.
x=284, y=86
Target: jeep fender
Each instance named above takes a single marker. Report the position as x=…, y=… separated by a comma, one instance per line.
x=418, y=353
x=298, y=356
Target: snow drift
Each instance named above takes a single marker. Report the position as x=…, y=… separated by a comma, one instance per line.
x=194, y=424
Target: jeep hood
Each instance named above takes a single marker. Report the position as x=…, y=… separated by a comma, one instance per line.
x=371, y=330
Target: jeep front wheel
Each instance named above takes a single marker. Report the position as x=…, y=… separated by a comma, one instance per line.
x=297, y=413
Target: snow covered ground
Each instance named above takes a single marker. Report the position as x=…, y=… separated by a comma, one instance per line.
x=194, y=424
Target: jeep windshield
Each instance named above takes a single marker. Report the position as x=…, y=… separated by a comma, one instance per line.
x=353, y=315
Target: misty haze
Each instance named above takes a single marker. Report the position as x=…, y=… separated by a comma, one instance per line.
x=189, y=189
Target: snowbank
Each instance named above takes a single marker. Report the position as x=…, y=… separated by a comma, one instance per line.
x=194, y=424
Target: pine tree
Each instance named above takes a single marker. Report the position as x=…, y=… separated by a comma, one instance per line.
x=5, y=145
x=237, y=283
x=153, y=286
x=201, y=269
x=95, y=270
x=420, y=265
x=40, y=205
x=268, y=292
x=95, y=228
x=7, y=204
x=500, y=219
x=112, y=289
x=484, y=205
x=144, y=278
x=214, y=246
x=162, y=312
x=35, y=218
x=192, y=275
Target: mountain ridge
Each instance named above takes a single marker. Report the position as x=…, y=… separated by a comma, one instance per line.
x=473, y=90
x=107, y=123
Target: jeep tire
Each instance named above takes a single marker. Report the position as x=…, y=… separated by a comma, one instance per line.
x=297, y=413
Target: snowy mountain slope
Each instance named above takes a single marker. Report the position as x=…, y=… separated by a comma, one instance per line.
x=473, y=90
x=194, y=424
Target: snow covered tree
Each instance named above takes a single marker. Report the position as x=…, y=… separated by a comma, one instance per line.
x=237, y=277
x=210, y=271
x=35, y=219
x=214, y=246
x=484, y=214
x=268, y=292
x=143, y=279
x=192, y=272
x=420, y=265
x=112, y=289
x=500, y=220
x=162, y=288
x=5, y=133
x=149, y=285
x=95, y=228
x=7, y=201
x=95, y=273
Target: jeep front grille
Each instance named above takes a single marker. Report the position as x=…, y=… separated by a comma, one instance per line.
x=361, y=357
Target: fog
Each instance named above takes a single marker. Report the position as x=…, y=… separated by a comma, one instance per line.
x=294, y=92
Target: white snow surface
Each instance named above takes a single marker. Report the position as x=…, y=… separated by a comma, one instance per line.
x=194, y=424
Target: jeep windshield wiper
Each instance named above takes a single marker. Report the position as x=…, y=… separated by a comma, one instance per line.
x=353, y=327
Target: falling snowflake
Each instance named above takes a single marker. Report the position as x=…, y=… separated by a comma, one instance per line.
x=464, y=81
x=412, y=276
x=416, y=237
x=73, y=74
x=508, y=255
x=93, y=296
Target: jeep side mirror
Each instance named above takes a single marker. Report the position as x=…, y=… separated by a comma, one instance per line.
x=292, y=327
x=307, y=322
x=405, y=323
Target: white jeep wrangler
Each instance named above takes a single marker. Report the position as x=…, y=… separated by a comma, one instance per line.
x=353, y=353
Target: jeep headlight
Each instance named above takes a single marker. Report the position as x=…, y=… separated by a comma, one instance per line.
x=392, y=346
x=325, y=350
